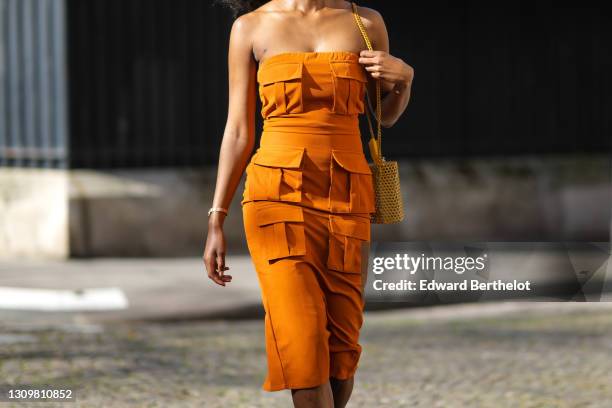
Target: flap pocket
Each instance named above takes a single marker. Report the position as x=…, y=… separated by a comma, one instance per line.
x=280, y=88
x=279, y=213
x=347, y=238
x=282, y=231
x=279, y=72
x=349, y=87
x=349, y=69
x=351, y=227
x=287, y=157
x=275, y=174
x=353, y=162
x=352, y=184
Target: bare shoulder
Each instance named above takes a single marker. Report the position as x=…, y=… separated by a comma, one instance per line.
x=245, y=25
x=371, y=18
x=375, y=26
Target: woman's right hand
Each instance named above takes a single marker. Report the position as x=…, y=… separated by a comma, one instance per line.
x=214, y=251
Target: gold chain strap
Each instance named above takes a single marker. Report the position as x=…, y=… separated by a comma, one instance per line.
x=378, y=154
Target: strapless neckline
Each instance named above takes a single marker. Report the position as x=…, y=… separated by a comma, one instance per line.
x=354, y=56
x=296, y=83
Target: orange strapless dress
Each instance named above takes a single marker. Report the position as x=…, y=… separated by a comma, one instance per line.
x=307, y=202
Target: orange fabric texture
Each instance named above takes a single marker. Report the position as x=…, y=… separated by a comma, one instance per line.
x=307, y=202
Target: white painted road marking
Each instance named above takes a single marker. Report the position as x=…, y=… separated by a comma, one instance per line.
x=62, y=300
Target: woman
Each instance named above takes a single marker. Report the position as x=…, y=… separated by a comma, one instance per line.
x=308, y=194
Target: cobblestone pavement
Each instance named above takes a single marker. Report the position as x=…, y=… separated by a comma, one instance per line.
x=535, y=355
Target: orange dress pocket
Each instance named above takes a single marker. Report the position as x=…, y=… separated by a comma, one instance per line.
x=349, y=87
x=280, y=88
x=346, y=237
x=352, y=185
x=275, y=174
x=282, y=230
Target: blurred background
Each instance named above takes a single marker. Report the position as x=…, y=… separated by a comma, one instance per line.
x=112, y=113
x=111, y=117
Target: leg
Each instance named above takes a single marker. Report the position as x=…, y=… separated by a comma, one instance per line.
x=285, y=250
x=315, y=397
x=341, y=390
x=345, y=308
x=344, y=289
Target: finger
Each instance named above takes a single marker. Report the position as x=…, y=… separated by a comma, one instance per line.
x=209, y=265
x=368, y=60
x=368, y=53
x=221, y=268
x=371, y=57
x=213, y=274
x=376, y=72
x=222, y=275
x=216, y=278
x=221, y=263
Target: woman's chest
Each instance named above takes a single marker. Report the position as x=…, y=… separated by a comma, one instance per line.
x=300, y=86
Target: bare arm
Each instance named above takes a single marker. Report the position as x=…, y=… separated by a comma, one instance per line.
x=237, y=144
x=396, y=75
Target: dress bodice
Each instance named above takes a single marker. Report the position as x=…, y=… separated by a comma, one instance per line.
x=318, y=87
x=310, y=151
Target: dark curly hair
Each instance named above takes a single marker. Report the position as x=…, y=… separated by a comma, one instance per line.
x=241, y=6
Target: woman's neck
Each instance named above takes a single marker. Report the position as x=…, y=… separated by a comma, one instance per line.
x=306, y=6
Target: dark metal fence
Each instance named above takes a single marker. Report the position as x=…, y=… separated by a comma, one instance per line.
x=148, y=79
x=33, y=123
x=149, y=82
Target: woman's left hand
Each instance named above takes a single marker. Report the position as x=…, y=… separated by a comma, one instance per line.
x=383, y=65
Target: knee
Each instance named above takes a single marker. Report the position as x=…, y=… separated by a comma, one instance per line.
x=320, y=395
x=341, y=382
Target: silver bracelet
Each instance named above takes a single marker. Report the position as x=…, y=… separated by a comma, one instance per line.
x=218, y=209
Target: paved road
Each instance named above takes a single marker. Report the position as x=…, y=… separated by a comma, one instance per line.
x=160, y=288
x=479, y=355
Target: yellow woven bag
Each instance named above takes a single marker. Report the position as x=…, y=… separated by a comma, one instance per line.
x=389, y=203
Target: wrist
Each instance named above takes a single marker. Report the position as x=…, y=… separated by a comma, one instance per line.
x=216, y=219
x=216, y=216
